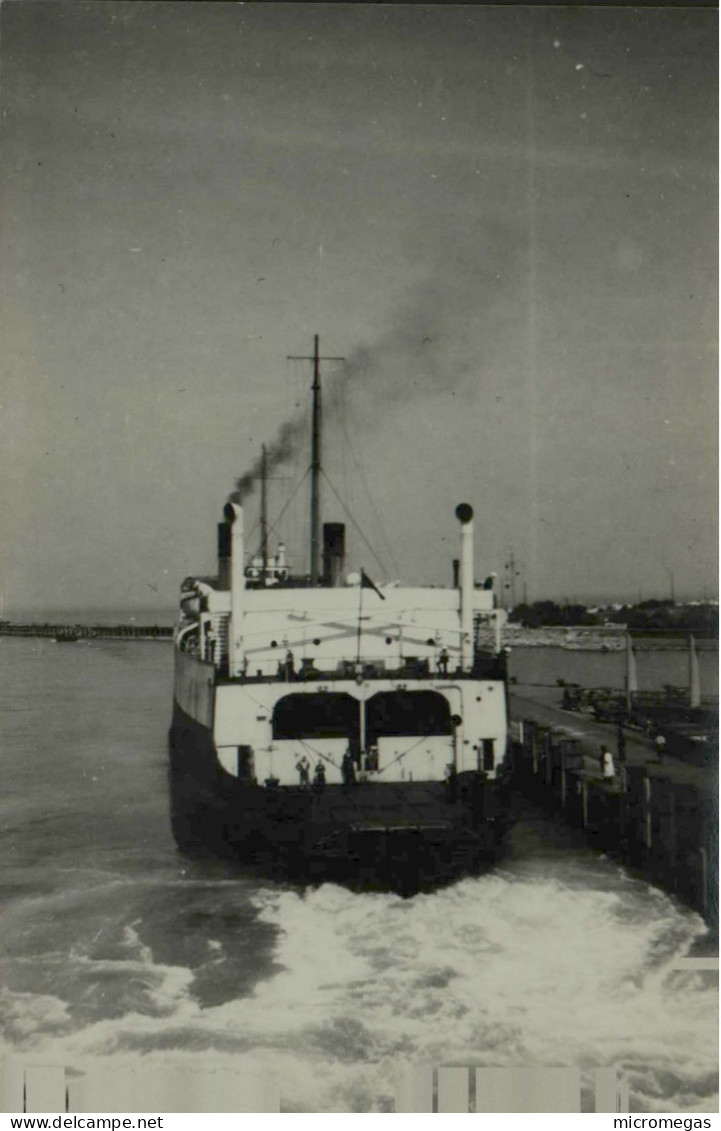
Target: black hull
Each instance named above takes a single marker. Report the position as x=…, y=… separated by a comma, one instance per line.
x=404, y=836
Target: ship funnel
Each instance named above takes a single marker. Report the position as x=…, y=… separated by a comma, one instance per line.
x=234, y=517
x=464, y=514
x=333, y=553
x=223, y=555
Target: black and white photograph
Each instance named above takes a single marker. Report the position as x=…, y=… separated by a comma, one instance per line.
x=359, y=558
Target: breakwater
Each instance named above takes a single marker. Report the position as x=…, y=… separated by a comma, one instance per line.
x=598, y=638
x=660, y=819
x=68, y=633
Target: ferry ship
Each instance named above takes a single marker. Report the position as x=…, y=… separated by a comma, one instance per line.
x=334, y=726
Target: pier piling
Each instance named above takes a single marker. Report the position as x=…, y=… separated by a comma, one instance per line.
x=658, y=819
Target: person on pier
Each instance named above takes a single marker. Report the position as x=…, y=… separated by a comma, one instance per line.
x=608, y=769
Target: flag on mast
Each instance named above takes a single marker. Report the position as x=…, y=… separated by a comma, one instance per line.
x=366, y=583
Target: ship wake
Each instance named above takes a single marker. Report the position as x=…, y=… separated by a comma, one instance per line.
x=332, y=993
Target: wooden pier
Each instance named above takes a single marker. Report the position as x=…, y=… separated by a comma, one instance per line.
x=659, y=818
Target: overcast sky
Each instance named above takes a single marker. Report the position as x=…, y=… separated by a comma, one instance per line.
x=504, y=218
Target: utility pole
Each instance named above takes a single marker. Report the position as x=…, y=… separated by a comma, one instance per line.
x=315, y=460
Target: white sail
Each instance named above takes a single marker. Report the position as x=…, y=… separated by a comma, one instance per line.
x=694, y=678
x=631, y=676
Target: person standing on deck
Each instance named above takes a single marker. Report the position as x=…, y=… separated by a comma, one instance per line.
x=303, y=768
x=347, y=768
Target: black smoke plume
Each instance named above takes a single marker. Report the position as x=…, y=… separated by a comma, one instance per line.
x=279, y=452
x=438, y=343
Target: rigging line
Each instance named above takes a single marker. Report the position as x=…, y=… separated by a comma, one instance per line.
x=442, y=630
x=338, y=410
x=364, y=485
x=350, y=516
x=303, y=415
x=273, y=527
x=256, y=524
x=408, y=751
x=258, y=702
x=347, y=795
x=317, y=753
x=292, y=525
x=342, y=412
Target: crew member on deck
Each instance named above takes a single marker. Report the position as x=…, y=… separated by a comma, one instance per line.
x=303, y=768
x=443, y=662
x=319, y=778
x=347, y=768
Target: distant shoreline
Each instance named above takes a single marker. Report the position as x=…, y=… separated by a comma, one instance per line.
x=582, y=639
x=593, y=639
x=69, y=633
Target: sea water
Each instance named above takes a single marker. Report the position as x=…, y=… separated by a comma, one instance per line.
x=120, y=952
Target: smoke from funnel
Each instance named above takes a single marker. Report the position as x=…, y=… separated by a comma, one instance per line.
x=451, y=328
x=279, y=452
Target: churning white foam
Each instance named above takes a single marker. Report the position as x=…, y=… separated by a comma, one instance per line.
x=497, y=970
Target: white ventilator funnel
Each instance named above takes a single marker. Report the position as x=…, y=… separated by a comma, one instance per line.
x=236, y=653
x=464, y=514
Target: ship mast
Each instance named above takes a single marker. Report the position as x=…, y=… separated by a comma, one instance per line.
x=315, y=463
x=315, y=468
